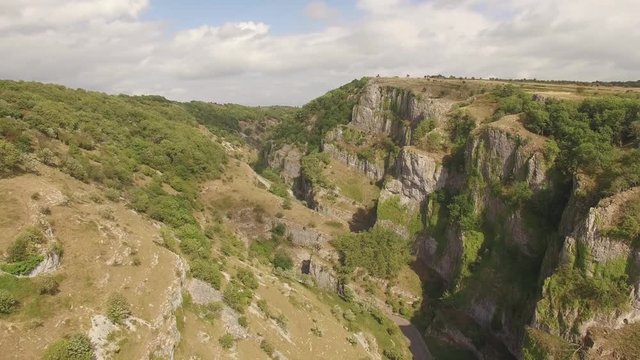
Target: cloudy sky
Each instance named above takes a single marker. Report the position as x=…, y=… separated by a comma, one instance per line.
x=261, y=52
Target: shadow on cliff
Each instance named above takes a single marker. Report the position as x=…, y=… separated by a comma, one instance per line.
x=363, y=219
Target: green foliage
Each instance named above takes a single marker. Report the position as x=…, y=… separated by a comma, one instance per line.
x=590, y=135
x=282, y=260
x=262, y=249
x=627, y=227
x=570, y=289
x=125, y=135
x=22, y=254
x=207, y=271
x=460, y=126
x=539, y=345
x=24, y=245
x=22, y=267
x=393, y=354
x=267, y=347
x=462, y=211
x=312, y=167
x=472, y=243
x=423, y=128
x=242, y=321
x=328, y=111
x=380, y=251
x=8, y=302
x=517, y=193
x=10, y=158
x=391, y=209
x=74, y=347
x=237, y=296
x=227, y=341
x=247, y=278
x=118, y=308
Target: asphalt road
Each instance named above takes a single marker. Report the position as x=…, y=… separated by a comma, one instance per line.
x=418, y=347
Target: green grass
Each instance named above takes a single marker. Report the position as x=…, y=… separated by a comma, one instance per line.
x=391, y=209
x=364, y=320
x=22, y=267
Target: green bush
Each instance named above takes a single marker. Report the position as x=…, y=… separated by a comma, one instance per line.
x=24, y=245
x=118, y=308
x=207, y=271
x=242, y=321
x=227, y=341
x=380, y=251
x=267, y=347
x=74, y=347
x=237, y=296
x=8, y=302
x=247, y=278
x=23, y=267
x=10, y=158
x=282, y=260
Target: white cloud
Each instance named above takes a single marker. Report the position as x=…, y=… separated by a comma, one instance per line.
x=105, y=45
x=319, y=10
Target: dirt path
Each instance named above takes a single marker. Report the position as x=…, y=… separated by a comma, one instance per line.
x=417, y=345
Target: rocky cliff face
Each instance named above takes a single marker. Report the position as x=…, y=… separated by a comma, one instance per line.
x=374, y=170
x=598, y=257
x=393, y=112
x=286, y=160
x=417, y=174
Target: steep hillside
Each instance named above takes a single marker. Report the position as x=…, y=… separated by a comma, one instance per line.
x=134, y=228
x=485, y=219
x=512, y=201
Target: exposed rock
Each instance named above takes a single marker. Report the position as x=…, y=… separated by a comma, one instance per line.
x=373, y=170
x=287, y=160
x=50, y=264
x=101, y=328
x=322, y=275
x=202, y=293
x=443, y=258
x=382, y=110
x=500, y=154
x=589, y=235
x=418, y=175
x=165, y=325
x=302, y=235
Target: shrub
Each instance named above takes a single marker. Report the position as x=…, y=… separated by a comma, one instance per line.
x=349, y=315
x=282, y=260
x=247, y=278
x=24, y=245
x=393, y=354
x=267, y=347
x=207, y=271
x=242, y=321
x=237, y=297
x=49, y=286
x=380, y=251
x=8, y=302
x=226, y=341
x=118, y=308
x=10, y=158
x=74, y=347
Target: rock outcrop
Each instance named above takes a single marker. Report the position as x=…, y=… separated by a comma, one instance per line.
x=417, y=174
x=393, y=112
x=286, y=160
x=372, y=169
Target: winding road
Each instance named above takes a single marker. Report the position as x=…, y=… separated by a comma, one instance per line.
x=418, y=347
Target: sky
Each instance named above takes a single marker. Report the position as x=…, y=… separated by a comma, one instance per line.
x=287, y=52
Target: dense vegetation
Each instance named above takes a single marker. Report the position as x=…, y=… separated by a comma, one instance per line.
x=597, y=136
x=319, y=116
x=380, y=251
